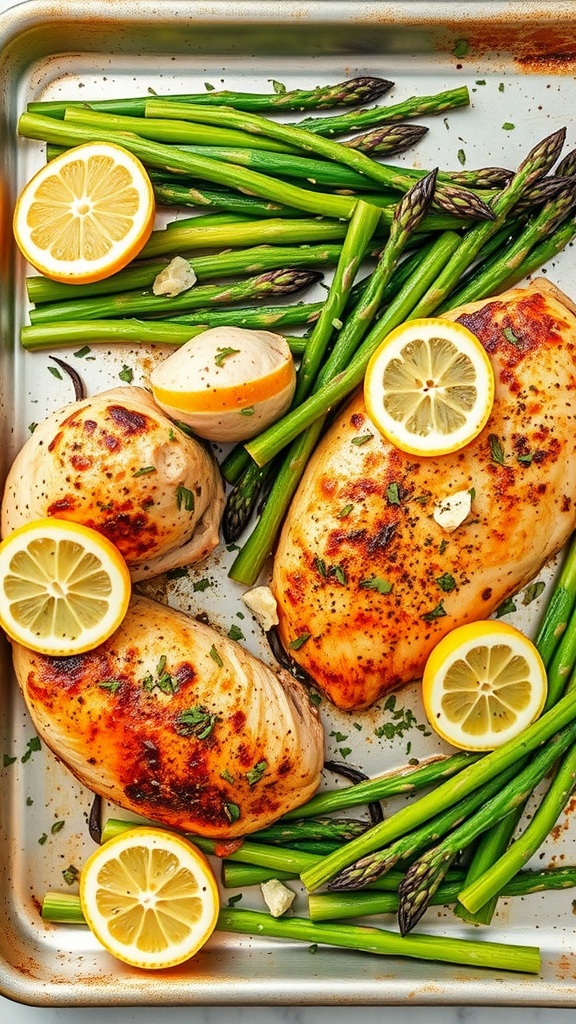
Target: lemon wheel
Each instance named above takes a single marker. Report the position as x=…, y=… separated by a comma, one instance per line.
x=429, y=387
x=86, y=214
x=483, y=683
x=150, y=897
x=64, y=588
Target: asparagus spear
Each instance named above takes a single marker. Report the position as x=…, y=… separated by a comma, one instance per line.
x=390, y=177
x=141, y=303
x=249, y=562
x=243, y=499
x=497, y=956
x=425, y=874
x=545, y=221
x=255, y=260
x=353, y=91
x=484, y=888
x=387, y=139
x=366, y=870
x=339, y=906
x=358, y=237
x=534, y=166
x=413, y=815
x=415, y=106
x=298, y=829
x=66, y=909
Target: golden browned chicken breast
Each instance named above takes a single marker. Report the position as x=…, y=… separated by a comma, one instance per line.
x=117, y=463
x=173, y=721
x=383, y=553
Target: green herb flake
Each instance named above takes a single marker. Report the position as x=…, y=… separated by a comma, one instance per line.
x=29, y=801
x=209, y=87
x=178, y=573
x=235, y=633
x=533, y=591
x=506, y=608
x=393, y=493
x=344, y=752
x=126, y=374
x=196, y=721
x=216, y=657
x=313, y=948
x=82, y=352
x=224, y=353
x=32, y=427
x=511, y=337
x=43, y=838
x=461, y=157
x=382, y=586
x=227, y=776
x=345, y=512
x=461, y=47
x=70, y=874
x=299, y=642
x=526, y=459
x=55, y=372
x=442, y=546
x=256, y=773
x=437, y=613
x=57, y=827
x=144, y=471
x=361, y=439
x=480, y=81
x=339, y=574
x=320, y=566
x=446, y=582
x=508, y=126
x=339, y=736
x=110, y=684
x=233, y=900
x=162, y=681
x=496, y=449
x=401, y=720
x=7, y=760
x=232, y=812
x=278, y=87
x=35, y=743
x=247, y=411
x=184, y=499
x=501, y=87
x=199, y=586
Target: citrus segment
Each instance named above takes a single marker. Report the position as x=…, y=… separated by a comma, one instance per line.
x=483, y=684
x=149, y=897
x=86, y=214
x=429, y=387
x=64, y=588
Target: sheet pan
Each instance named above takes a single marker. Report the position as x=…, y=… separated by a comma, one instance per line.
x=519, y=61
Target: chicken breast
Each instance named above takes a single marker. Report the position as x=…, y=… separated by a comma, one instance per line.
x=117, y=463
x=173, y=721
x=372, y=568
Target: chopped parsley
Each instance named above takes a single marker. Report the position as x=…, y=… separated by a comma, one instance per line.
x=163, y=681
x=126, y=374
x=256, y=773
x=224, y=353
x=376, y=583
x=196, y=721
x=533, y=591
x=436, y=612
x=184, y=499
x=144, y=471
x=361, y=439
x=110, y=684
x=216, y=656
x=446, y=582
x=393, y=493
x=496, y=449
x=232, y=812
x=235, y=633
x=299, y=642
x=506, y=608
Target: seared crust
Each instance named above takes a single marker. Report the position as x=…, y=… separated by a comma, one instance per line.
x=117, y=463
x=175, y=722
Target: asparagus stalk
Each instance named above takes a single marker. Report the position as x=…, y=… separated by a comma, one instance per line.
x=140, y=303
x=387, y=139
x=177, y=193
x=534, y=166
x=166, y=332
x=390, y=177
x=353, y=91
x=65, y=908
x=298, y=829
x=268, y=444
x=249, y=562
x=408, y=779
x=415, y=106
x=365, y=871
x=421, y=810
x=255, y=260
x=243, y=499
x=497, y=956
x=358, y=237
x=559, y=608
x=545, y=817
x=424, y=875
x=340, y=906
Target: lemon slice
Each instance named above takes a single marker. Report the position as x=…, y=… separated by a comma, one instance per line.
x=86, y=214
x=483, y=683
x=64, y=588
x=429, y=387
x=227, y=383
x=149, y=897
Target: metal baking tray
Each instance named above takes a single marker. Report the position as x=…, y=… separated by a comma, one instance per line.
x=519, y=61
